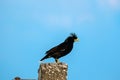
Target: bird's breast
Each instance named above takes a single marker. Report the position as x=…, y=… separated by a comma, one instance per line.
x=69, y=48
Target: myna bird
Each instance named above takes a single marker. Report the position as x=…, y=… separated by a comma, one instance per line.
x=62, y=49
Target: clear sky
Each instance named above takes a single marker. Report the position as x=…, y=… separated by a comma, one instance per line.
x=28, y=28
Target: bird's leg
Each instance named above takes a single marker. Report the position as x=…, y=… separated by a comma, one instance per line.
x=56, y=60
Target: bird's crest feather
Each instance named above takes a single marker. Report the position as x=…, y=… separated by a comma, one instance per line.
x=73, y=35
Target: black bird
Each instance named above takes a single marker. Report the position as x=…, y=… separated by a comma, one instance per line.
x=61, y=49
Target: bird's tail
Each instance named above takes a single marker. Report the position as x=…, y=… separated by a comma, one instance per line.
x=44, y=58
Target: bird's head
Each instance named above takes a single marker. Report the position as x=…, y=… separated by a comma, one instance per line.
x=73, y=38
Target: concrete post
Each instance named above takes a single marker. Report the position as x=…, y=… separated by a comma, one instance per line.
x=52, y=71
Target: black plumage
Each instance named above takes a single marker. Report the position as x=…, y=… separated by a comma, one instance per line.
x=61, y=49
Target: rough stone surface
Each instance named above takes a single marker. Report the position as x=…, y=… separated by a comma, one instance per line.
x=52, y=71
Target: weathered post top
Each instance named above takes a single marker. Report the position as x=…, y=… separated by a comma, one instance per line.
x=52, y=71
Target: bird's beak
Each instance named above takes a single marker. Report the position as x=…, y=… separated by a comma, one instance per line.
x=76, y=40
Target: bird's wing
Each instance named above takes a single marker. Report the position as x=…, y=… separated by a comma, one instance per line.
x=59, y=48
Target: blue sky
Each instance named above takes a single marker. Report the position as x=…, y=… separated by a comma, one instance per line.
x=28, y=28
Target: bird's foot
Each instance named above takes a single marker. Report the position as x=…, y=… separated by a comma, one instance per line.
x=57, y=61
